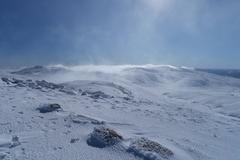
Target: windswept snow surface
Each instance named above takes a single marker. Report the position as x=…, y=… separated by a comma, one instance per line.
x=194, y=114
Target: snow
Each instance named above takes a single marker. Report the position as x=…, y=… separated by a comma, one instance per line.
x=194, y=114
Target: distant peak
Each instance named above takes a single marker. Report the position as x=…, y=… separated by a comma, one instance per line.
x=35, y=70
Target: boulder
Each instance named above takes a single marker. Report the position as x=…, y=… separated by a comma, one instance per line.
x=49, y=108
x=15, y=141
x=149, y=150
x=6, y=80
x=103, y=137
x=17, y=81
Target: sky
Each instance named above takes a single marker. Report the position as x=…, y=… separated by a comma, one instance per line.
x=194, y=33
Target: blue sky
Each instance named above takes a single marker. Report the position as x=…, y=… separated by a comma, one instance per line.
x=197, y=33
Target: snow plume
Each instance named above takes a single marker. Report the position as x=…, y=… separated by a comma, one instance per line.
x=98, y=72
x=109, y=68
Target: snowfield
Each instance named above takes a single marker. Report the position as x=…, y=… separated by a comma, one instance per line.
x=150, y=112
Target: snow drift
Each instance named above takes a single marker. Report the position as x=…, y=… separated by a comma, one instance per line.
x=186, y=113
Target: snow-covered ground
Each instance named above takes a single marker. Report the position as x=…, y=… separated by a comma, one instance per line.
x=194, y=114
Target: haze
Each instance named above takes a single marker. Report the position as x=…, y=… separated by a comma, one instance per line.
x=198, y=33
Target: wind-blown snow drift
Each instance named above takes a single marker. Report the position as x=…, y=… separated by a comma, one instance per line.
x=193, y=113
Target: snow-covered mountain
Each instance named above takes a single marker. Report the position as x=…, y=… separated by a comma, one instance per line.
x=39, y=70
x=181, y=113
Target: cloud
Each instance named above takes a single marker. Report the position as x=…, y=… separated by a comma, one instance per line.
x=120, y=32
x=187, y=15
x=158, y=5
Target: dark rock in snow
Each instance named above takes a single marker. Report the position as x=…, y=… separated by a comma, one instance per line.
x=49, y=108
x=3, y=155
x=127, y=98
x=20, y=85
x=235, y=115
x=149, y=150
x=6, y=80
x=99, y=94
x=15, y=141
x=103, y=137
x=43, y=83
x=17, y=81
x=49, y=85
x=84, y=93
x=96, y=95
x=73, y=140
x=68, y=91
x=33, y=85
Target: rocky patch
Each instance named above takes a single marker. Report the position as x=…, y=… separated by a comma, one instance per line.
x=103, y=137
x=96, y=94
x=49, y=108
x=49, y=85
x=149, y=150
x=74, y=140
x=9, y=143
x=31, y=84
x=15, y=141
x=6, y=80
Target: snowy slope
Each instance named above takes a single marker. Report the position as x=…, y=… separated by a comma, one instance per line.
x=194, y=114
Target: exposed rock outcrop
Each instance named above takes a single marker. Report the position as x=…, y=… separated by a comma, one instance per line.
x=103, y=137
x=149, y=150
x=49, y=108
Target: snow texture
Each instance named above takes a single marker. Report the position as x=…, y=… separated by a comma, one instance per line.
x=182, y=113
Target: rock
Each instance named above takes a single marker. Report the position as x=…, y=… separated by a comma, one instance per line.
x=49, y=108
x=33, y=85
x=127, y=98
x=43, y=83
x=6, y=80
x=68, y=91
x=96, y=95
x=57, y=86
x=20, y=85
x=48, y=85
x=2, y=155
x=17, y=81
x=15, y=142
x=103, y=137
x=149, y=150
x=73, y=140
x=84, y=93
x=99, y=94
